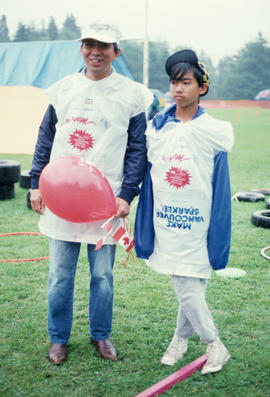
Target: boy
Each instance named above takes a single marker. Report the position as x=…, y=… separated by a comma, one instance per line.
x=183, y=219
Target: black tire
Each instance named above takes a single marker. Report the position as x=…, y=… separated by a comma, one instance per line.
x=267, y=204
x=25, y=179
x=10, y=171
x=7, y=191
x=266, y=192
x=250, y=196
x=261, y=218
x=28, y=202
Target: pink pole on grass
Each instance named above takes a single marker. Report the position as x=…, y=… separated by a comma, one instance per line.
x=176, y=377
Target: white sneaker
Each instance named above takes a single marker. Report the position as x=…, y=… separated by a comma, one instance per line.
x=177, y=348
x=218, y=355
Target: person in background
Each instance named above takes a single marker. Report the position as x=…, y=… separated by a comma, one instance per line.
x=183, y=219
x=100, y=116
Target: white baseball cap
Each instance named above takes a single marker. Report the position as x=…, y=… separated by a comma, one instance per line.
x=99, y=31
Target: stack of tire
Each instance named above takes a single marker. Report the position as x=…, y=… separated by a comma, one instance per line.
x=10, y=172
x=259, y=218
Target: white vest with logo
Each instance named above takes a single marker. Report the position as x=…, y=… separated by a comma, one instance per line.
x=93, y=119
x=182, y=157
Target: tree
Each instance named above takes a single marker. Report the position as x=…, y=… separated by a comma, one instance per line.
x=52, y=30
x=43, y=31
x=70, y=29
x=158, y=53
x=39, y=34
x=133, y=52
x=3, y=29
x=247, y=73
x=212, y=93
x=23, y=33
x=30, y=33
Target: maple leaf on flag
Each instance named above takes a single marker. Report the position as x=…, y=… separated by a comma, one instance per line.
x=119, y=233
x=123, y=238
x=126, y=241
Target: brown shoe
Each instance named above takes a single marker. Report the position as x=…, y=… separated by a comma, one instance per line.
x=105, y=349
x=57, y=353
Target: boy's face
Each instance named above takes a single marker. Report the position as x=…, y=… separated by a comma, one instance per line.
x=98, y=57
x=186, y=91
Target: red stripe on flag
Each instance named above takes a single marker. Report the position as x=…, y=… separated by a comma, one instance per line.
x=130, y=246
x=119, y=233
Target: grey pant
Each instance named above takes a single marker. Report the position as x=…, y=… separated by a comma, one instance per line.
x=193, y=315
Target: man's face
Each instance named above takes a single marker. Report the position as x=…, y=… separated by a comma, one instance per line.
x=98, y=57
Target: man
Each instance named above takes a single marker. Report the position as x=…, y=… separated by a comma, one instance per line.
x=98, y=115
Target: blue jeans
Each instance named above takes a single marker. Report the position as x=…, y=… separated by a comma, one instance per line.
x=64, y=257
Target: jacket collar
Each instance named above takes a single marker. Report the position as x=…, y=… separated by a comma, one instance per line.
x=168, y=115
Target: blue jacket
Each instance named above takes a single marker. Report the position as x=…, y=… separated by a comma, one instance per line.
x=219, y=231
x=135, y=161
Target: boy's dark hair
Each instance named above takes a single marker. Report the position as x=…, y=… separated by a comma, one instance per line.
x=180, y=69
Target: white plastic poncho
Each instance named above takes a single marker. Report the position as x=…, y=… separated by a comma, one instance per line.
x=182, y=157
x=93, y=119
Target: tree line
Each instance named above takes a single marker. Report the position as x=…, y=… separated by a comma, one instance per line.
x=240, y=76
x=70, y=30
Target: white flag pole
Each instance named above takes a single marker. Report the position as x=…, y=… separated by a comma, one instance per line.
x=145, y=47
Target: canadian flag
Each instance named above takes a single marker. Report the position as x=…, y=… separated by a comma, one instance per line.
x=119, y=233
x=123, y=238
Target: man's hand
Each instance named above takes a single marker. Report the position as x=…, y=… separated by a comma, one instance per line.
x=36, y=201
x=122, y=208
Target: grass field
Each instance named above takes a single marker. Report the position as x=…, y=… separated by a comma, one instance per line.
x=145, y=304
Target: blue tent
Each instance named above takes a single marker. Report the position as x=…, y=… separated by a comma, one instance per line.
x=41, y=63
x=26, y=70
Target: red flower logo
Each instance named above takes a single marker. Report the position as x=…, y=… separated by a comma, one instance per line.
x=81, y=140
x=177, y=177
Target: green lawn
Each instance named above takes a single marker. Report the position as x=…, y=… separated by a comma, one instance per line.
x=145, y=304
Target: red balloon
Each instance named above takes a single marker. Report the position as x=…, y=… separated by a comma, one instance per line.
x=75, y=190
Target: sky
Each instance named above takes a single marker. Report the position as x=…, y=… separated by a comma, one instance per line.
x=218, y=27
